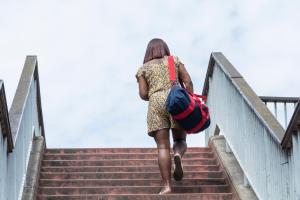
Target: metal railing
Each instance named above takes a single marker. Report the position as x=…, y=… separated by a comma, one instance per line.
x=252, y=132
x=285, y=103
x=26, y=121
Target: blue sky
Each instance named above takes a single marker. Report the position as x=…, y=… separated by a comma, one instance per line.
x=89, y=51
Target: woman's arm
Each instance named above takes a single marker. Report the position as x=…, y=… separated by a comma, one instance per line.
x=185, y=78
x=143, y=88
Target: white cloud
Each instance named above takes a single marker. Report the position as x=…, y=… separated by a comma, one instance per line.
x=89, y=51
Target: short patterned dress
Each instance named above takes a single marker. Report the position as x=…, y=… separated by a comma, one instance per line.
x=156, y=74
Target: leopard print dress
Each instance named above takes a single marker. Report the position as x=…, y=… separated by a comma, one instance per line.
x=156, y=73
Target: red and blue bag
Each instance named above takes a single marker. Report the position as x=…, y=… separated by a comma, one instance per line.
x=189, y=110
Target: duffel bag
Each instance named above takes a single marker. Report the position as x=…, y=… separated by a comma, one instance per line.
x=189, y=110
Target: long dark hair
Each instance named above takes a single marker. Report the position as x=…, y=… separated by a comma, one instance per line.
x=157, y=48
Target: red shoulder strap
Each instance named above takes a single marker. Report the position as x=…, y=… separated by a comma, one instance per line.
x=172, y=69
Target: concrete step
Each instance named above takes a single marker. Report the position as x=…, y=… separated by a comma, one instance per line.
x=127, y=182
x=153, y=168
x=98, y=156
x=125, y=175
x=123, y=162
x=131, y=190
x=187, y=196
x=117, y=150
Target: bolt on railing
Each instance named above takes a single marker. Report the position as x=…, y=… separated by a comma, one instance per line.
x=285, y=101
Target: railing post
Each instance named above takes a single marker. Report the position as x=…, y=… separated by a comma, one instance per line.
x=280, y=100
x=285, y=115
x=206, y=137
x=275, y=109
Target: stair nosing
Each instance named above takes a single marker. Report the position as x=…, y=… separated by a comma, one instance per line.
x=139, y=186
x=118, y=148
x=174, y=194
x=130, y=166
x=126, y=172
x=126, y=179
x=122, y=153
x=184, y=159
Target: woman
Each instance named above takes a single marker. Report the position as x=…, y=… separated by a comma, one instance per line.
x=154, y=86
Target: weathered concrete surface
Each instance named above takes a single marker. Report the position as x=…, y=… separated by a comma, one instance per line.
x=33, y=171
x=233, y=169
x=218, y=59
x=29, y=74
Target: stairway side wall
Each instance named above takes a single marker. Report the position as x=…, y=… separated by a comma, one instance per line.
x=252, y=133
x=26, y=122
x=294, y=167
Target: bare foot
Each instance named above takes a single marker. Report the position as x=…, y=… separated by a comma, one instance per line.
x=165, y=190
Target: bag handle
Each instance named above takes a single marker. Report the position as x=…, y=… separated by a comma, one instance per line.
x=204, y=98
x=172, y=70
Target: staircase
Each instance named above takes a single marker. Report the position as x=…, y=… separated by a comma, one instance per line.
x=127, y=174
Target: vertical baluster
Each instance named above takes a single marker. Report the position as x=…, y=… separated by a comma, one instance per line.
x=285, y=115
x=275, y=109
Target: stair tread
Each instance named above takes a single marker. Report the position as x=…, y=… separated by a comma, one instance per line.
x=123, y=162
x=118, y=150
x=133, y=189
x=186, y=196
x=121, y=153
x=72, y=156
x=112, y=169
x=130, y=182
x=131, y=159
x=124, y=175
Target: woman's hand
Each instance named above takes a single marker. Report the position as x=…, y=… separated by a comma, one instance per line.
x=143, y=88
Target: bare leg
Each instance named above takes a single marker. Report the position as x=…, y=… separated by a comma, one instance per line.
x=164, y=158
x=179, y=148
x=179, y=138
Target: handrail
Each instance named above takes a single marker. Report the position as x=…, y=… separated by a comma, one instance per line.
x=248, y=94
x=292, y=128
x=281, y=136
x=29, y=74
x=273, y=99
x=4, y=118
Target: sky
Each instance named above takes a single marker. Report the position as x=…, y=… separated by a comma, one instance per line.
x=89, y=51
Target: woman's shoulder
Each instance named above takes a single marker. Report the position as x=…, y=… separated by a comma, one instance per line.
x=176, y=59
x=140, y=72
x=160, y=61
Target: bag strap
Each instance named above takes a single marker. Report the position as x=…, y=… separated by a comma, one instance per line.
x=172, y=70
